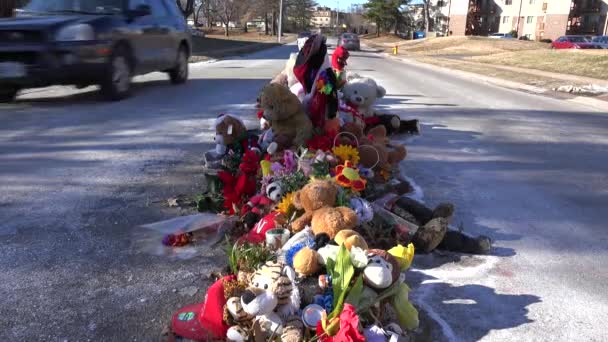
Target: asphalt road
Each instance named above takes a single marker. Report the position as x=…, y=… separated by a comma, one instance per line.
x=78, y=175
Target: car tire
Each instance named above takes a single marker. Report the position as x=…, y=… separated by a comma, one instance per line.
x=179, y=74
x=8, y=95
x=117, y=83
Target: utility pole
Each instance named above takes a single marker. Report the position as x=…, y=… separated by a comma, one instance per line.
x=521, y=3
x=449, y=16
x=280, y=19
x=337, y=16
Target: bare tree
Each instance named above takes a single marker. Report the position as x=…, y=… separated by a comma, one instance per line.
x=226, y=11
x=186, y=6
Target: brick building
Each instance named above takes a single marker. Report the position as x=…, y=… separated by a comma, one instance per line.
x=535, y=19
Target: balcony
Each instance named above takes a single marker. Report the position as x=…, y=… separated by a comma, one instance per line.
x=585, y=7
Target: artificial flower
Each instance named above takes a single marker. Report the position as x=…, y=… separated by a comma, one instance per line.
x=347, y=153
x=404, y=255
x=358, y=257
x=250, y=162
x=348, y=176
x=286, y=203
x=289, y=159
x=320, y=142
x=348, y=331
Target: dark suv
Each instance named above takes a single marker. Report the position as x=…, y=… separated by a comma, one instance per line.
x=86, y=42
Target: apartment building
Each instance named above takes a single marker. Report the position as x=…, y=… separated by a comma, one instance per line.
x=535, y=19
x=323, y=17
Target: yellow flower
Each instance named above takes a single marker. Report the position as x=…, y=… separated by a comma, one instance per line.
x=347, y=153
x=286, y=203
x=404, y=255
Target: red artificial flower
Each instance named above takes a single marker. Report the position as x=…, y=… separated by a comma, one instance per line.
x=323, y=142
x=250, y=162
x=349, y=327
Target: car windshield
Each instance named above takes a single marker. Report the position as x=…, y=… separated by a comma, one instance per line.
x=75, y=6
x=348, y=36
x=578, y=39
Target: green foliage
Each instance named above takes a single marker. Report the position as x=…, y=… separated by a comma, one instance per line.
x=341, y=277
x=293, y=181
x=247, y=257
x=385, y=13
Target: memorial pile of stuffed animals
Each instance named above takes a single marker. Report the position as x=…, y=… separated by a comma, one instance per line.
x=325, y=227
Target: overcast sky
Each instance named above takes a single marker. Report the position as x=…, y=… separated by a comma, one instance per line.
x=345, y=3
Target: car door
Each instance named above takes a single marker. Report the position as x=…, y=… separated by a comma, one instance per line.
x=142, y=37
x=163, y=48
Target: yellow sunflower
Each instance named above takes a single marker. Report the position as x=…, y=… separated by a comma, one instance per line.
x=286, y=203
x=347, y=153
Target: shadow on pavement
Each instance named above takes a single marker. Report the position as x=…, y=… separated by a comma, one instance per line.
x=468, y=312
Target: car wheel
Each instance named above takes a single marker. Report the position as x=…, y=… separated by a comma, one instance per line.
x=8, y=95
x=117, y=84
x=179, y=74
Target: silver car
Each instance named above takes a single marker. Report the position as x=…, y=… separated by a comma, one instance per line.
x=349, y=41
x=601, y=41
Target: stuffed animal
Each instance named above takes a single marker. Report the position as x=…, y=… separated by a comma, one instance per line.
x=231, y=132
x=271, y=221
x=338, y=63
x=289, y=123
x=359, y=95
x=272, y=296
x=350, y=239
x=382, y=271
x=317, y=199
x=375, y=149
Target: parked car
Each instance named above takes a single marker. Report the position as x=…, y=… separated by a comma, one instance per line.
x=601, y=41
x=500, y=36
x=349, y=41
x=302, y=38
x=573, y=42
x=87, y=42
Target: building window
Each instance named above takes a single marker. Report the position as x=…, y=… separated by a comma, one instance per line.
x=528, y=36
x=440, y=3
x=529, y=20
x=508, y=2
x=505, y=20
x=532, y=2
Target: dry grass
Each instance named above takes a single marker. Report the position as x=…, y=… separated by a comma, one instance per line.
x=248, y=37
x=465, y=46
x=575, y=62
x=491, y=71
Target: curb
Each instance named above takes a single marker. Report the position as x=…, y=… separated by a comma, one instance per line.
x=599, y=105
x=219, y=54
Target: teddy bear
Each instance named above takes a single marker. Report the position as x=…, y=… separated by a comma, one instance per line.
x=230, y=134
x=289, y=123
x=382, y=270
x=359, y=94
x=375, y=149
x=318, y=199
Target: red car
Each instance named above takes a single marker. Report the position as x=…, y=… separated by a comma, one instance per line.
x=573, y=42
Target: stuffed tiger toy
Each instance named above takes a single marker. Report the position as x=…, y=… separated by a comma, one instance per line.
x=271, y=298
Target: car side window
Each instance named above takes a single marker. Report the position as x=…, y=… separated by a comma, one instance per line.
x=157, y=6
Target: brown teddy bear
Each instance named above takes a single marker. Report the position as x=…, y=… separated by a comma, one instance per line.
x=230, y=134
x=350, y=239
x=289, y=123
x=375, y=148
x=318, y=199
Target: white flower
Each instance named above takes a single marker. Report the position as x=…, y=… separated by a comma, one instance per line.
x=358, y=257
x=328, y=252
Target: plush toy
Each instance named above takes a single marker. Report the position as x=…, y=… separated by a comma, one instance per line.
x=271, y=221
x=359, y=95
x=382, y=271
x=434, y=232
x=350, y=238
x=289, y=123
x=231, y=133
x=338, y=63
x=317, y=199
x=375, y=149
x=272, y=297
x=314, y=72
